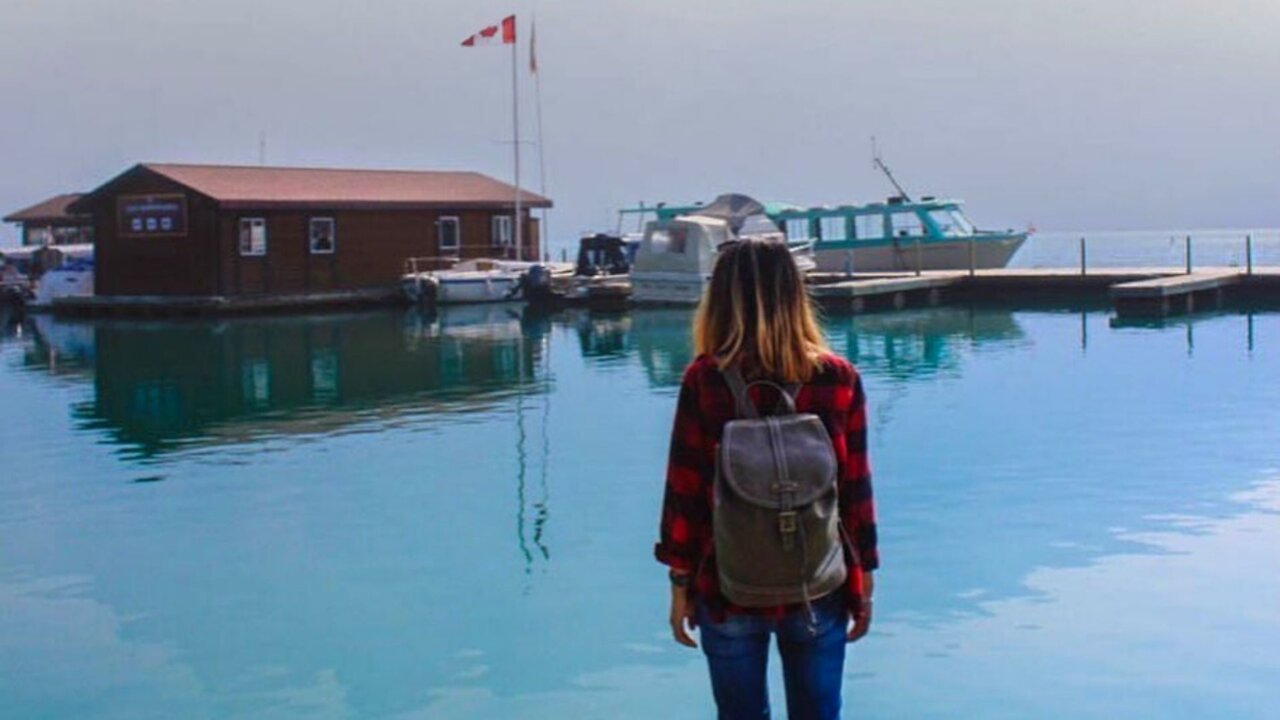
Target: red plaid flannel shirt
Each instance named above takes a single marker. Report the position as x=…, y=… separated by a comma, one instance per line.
x=704, y=406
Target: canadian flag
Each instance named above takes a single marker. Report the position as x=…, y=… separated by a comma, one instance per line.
x=503, y=33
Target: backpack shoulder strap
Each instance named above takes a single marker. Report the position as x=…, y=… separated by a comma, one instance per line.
x=738, y=386
x=742, y=399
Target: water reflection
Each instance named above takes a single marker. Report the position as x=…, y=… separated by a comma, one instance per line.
x=911, y=344
x=346, y=570
x=1188, y=323
x=159, y=386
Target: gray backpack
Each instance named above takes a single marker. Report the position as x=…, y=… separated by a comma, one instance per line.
x=776, y=517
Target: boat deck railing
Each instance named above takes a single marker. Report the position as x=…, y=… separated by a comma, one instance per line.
x=429, y=263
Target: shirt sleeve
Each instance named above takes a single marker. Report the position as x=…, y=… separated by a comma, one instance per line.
x=686, y=510
x=857, y=507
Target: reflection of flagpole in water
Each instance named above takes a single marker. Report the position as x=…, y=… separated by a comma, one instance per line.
x=541, y=508
x=540, y=520
x=521, y=457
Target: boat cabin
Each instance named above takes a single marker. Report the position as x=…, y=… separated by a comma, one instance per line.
x=893, y=236
x=896, y=219
x=675, y=259
x=603, y=254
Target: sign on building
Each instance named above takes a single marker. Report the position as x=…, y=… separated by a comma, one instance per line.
x=152, y=215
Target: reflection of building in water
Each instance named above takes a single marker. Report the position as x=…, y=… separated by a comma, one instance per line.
x=157, y=385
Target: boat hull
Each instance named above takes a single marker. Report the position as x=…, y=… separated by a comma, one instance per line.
x=988, y=253
x=495, y=288
x=667, y=288
x=61, y=283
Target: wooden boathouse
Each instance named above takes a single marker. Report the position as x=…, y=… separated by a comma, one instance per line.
x=51, y=222
x=212, y=237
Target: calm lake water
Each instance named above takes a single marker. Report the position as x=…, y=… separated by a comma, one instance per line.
x=385, y=515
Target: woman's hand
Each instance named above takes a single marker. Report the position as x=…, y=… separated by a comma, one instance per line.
x=682, y=614
x=862, y=621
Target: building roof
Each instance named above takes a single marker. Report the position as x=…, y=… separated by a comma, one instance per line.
x=53, y=210
x=256, y=186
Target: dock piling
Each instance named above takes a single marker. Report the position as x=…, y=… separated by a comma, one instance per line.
x=1188, y=254
x=1083, y=258
x=973, y=257
x=1248, y=254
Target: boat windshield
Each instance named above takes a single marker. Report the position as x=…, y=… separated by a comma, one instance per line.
x=951, y=222
x=668, y=240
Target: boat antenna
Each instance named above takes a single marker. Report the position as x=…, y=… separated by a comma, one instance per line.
x=878, y=163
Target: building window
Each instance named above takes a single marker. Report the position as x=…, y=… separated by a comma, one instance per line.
x=37, y=235
x=323, y=235
x=253, y=236
x=450, y=235
x=501, y=236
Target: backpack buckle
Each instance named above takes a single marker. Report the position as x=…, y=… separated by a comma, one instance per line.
x=787, y=526
x=787, y=521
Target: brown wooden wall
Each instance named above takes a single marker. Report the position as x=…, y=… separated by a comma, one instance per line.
x=154, y=265
x=371, y=247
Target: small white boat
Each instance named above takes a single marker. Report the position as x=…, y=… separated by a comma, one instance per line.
x=481, y=280
x=72, y=278
x=675, y=259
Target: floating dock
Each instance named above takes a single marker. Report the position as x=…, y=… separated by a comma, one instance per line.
x=1162, y=296
x=1134, y=292
x=182, y=306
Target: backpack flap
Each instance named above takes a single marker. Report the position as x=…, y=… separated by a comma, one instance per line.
x=758, y=457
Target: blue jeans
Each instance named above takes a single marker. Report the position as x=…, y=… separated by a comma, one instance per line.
x=737, y=652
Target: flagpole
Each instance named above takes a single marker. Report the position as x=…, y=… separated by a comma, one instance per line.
x=515, y=131
x=542, y=164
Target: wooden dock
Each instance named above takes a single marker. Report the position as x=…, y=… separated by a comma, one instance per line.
x=862, y=293
x=1134, y=292
x=187, y=306
x=1162, y=296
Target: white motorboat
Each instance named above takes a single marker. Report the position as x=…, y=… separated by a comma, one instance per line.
x=72, y=278
x=677, y=254
x=481, y=280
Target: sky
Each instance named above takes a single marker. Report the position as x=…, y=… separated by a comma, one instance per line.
x=1066, y=114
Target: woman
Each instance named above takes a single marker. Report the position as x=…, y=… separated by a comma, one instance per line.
x=756, y=316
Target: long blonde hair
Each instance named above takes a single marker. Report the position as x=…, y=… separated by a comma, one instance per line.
x=755, y=314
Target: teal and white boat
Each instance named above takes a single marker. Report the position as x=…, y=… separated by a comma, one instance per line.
x=898, y=235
